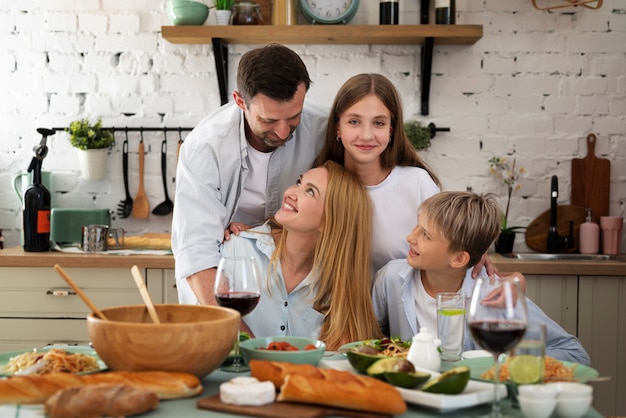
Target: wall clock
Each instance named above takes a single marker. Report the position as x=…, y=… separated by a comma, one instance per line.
x=328, y=12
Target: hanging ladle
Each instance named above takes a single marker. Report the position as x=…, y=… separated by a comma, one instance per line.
x=144, y=294
x=165, y=207
x=79, y=292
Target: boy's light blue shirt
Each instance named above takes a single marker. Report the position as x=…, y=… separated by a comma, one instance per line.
x=393, y=296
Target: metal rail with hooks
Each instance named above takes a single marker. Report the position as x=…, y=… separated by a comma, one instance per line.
x=138, y=129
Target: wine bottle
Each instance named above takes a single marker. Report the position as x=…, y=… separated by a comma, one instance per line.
x=445, y=12
x=36, y=213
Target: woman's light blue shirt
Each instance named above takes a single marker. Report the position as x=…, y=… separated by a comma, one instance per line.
x=278, y=313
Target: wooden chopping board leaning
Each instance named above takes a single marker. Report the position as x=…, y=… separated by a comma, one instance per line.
x=591, y=178
x=537, y=231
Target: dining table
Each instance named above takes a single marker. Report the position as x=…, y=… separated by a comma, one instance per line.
x=188, y=407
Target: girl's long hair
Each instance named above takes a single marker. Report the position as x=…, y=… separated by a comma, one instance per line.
x=399, y=151
x=343, y=261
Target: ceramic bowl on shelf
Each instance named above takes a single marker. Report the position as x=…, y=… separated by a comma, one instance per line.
x=187, y=12
x=190, y=338
x=307, y=350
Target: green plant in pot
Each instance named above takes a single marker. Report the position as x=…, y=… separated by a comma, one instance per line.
x=223, y=11
x=93, y=145
x=510, y=175
x=418, y=134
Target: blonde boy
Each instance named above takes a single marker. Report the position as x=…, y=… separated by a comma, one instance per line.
x=454, y=230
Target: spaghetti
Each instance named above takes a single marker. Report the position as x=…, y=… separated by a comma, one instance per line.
x=555, y=371
x=54, y=360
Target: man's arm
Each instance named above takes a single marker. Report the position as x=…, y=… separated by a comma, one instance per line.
x=203, y=286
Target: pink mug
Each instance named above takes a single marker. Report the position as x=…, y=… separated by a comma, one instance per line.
x=611, y=227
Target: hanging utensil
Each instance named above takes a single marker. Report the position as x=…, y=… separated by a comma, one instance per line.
x=79, y=292
x=125, y=207
x=165, y=207
x=141, y=206
x=144, y=294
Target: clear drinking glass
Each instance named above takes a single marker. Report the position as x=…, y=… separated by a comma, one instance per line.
x=238, y=286
x=499, y=326
x=527, y=360
x=451, y=324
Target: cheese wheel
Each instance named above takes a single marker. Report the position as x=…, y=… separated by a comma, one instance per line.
x=247, y=391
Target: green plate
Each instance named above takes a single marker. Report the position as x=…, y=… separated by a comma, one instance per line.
x=6, y=357
x=480, y=365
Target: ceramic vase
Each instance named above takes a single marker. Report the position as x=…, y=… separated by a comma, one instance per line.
x=93, y=163
x=222, y=17
x=504, y=243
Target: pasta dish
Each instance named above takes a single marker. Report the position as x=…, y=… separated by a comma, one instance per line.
x=554, y=371
x=49, y=361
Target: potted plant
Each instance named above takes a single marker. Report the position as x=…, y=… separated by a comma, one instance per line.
x=418, y=134
x=93, y=145
x=509, y=175
x=223, y=11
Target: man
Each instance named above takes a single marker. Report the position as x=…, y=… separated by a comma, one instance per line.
x=236, y=164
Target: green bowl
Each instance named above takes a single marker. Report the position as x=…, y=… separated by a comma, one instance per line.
x=187, y=12
x=252, y=349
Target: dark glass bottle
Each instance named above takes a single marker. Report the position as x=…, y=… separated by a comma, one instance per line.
x=36, y=214
x=388, y=12
x=445, y=12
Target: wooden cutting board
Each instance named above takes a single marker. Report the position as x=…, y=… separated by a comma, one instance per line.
x=591, y=177
x=537, y=231
x=282, y=410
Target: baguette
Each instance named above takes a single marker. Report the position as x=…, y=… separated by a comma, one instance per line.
x=100, y=400
x=36, y=389
x=305, y=383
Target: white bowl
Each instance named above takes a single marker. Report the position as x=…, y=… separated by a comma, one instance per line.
x=574, y=407
x=475, y=354
x=536, y=408
x=538, y=391
x=572, y=389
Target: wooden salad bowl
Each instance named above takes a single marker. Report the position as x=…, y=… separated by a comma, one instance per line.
x=190, y=338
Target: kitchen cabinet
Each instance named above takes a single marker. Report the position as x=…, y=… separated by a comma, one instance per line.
x=557, y=296
x=425, y=35
x=587, y=299
x=38, y=308
x=168, y=292
x=602, y=330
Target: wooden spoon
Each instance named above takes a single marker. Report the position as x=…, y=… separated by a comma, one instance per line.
x=144, y=294
x=79, y=292
x=141, y=206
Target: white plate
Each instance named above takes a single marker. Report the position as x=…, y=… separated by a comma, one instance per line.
x=475, y=392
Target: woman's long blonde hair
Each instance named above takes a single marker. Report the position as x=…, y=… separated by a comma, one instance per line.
x=343, y=260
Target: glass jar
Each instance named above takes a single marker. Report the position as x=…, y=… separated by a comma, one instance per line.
x=246, y=13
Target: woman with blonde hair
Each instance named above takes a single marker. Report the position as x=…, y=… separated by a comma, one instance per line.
x=314, y=287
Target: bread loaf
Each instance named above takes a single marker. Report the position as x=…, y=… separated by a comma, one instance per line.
x=337, y=388
x=36, y=389
x=100, y=400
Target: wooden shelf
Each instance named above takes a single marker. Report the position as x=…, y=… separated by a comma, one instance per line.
x=326, y=34
x=425, y=35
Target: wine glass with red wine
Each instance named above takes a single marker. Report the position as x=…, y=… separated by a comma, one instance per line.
x=497, y=327
x=237, y=286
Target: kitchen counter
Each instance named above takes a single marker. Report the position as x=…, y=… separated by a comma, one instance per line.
x=560, y=267
x=17, y=257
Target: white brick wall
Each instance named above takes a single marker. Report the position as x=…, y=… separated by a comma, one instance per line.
x=536, y=84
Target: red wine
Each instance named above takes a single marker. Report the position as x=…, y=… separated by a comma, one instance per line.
x=36, y=214
x=497, y=336
x=445, y=11
x=243, y=302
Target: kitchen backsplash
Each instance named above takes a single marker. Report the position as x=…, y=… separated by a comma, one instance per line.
x=534, y=86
